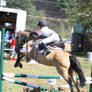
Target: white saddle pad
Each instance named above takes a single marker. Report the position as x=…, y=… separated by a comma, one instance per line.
x=53, y=48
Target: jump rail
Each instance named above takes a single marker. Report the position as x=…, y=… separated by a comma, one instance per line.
x=89, y=79
x=31, y=76
x=24, y=83
x=29, y=84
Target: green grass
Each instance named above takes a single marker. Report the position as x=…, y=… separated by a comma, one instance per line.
x=39, y=69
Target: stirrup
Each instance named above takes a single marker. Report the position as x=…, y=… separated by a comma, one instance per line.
x=45, y=53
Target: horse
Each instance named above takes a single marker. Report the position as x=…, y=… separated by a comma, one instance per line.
x=65, y=63
x=24, y=37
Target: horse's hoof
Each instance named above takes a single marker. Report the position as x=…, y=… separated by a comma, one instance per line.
x=20, y=65
x=15, y=65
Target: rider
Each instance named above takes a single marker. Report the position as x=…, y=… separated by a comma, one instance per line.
x=51, y=36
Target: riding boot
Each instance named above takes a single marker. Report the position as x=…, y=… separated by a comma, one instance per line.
x=43, y=49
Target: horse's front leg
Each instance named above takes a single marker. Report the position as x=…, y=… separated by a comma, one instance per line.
x=17, y=63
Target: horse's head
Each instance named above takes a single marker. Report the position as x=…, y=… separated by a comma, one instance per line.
x=21, y=38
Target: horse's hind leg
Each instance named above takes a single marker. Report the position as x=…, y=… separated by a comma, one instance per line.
x=76, y=84
x=66, y=76
x=69, y=81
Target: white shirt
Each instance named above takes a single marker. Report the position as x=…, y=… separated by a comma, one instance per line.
x=47, y=31
x=51, y=36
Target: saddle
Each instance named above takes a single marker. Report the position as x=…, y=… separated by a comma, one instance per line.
x=57, y=44
x=44, y=49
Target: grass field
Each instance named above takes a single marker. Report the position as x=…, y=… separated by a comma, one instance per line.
x=40, y=69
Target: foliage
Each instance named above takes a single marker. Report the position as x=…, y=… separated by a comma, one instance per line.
x=21, y=4
x=77, y=10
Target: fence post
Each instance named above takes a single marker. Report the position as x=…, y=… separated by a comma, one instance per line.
x=2, y=36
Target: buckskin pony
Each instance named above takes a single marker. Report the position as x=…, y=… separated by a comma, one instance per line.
x=25, y=37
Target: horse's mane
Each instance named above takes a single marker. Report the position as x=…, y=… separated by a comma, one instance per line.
x=24, y=36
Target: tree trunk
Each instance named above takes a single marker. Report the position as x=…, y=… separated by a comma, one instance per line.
x=84, y=30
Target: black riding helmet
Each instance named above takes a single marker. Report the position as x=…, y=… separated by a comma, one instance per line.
x=42, y=22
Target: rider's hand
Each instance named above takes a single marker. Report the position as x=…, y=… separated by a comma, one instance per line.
x=36, y=36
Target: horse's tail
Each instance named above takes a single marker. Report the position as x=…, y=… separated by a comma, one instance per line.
x=76, y=66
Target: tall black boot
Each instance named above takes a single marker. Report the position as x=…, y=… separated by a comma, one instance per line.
x=43, y=47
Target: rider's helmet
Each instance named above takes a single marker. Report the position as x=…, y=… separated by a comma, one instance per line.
x=42, y=22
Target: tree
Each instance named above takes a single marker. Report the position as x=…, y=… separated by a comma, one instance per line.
x=77, y=10
x=21, y=4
